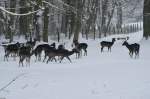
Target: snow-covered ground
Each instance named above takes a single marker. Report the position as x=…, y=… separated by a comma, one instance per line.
x=108, y=75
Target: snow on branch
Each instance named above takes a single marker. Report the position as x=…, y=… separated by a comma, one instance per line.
x=74, y=10
x=16, y=14
x=19, y=7
x=53, y=5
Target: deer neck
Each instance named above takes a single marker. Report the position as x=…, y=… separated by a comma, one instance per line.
x=112, y=42
x=70, y=53
x=128, y=46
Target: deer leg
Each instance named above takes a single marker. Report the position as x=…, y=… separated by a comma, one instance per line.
x=68, y=59
x=19, y=63
x=28, y=61
x=35, y=57
x=80, y=53
x=53, y=58
x=21, y=60
x=39, y=57
x=131, y=54
x=44, y=58
x=85, y=52
x=108, y=49
x=61, y=59
x=6, y=56
x=48, y=59
x=102, y=49
x=14, y=56
x=137, y=54
x=76, y=55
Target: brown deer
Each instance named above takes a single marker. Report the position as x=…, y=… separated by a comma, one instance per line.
x=133, y=48
x=107, y=44
x=25, y=54
x=11, y=49
x=63, y=53
x=80, y=47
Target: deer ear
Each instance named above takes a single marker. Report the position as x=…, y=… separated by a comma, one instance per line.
x=127, y=37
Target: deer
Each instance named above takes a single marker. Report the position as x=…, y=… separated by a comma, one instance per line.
x=62, y=53
x=25, y=54
x=80, y=47
x=133, y=48
x=43, y=47
x=11, y=49
x=48, y=48
x=107, y=44
x=31, y=43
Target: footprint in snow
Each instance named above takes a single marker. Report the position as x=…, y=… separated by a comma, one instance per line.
x=25, y=86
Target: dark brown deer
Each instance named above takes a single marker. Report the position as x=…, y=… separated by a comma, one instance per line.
x=80, y=47
x=25, y=54
x=107, y=44
x=11, y=49
x=133, y=48
x=63, y=53
x=43, y=47
x=31, y=43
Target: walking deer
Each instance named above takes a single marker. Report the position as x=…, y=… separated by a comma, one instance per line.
x=62, y=53
x=43, y=47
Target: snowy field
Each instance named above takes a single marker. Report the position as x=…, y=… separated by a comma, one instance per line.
x=108, y=75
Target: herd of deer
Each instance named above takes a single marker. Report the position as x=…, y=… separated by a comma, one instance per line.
x=25, y=50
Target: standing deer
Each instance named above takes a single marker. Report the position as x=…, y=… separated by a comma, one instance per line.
x=11, y=49
x=24, y=54
x=80, y=47
x=133, y=48
x=107, y=44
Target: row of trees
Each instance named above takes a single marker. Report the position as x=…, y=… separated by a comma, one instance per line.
x=42, y=18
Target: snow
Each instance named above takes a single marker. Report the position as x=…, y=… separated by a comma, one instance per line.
x=53, y=6
x=16, y=14
x=107, y=75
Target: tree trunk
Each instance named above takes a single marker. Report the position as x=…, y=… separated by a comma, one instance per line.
x=23, y=20
x=119, y=15
x=146, y=18
x=46, y=22
x=11, y=23
x=80, y=5
x=104, y=13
